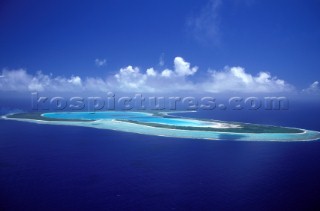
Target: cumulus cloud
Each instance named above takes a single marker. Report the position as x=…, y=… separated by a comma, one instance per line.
x=166, y=73
x=15, y=80
x=235, y=79
x=20, y=80
x=314, y=88
x=133, y=79
x=151, y=72
x=130, y=78
x=100, y=62
x=182, y=68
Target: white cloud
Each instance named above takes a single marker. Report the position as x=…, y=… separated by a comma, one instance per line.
x=314, y=88
x=14, y=80
x=161, y=60
x=235, y=79
x=205, y=26
x=182, y=68
x=100, y=62
x=96, y=85
x=151, y=72
x=166, y=73
x=75, y=80
x=132, y=79
x=20, y=80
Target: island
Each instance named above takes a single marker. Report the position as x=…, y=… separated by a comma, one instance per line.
x=169, y=125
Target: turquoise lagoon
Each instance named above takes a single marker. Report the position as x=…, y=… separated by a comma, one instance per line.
x=165, y=124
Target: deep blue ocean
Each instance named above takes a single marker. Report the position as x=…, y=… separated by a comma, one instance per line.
x=47, y=167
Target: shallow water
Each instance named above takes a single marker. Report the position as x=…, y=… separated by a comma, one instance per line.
x=108, y=120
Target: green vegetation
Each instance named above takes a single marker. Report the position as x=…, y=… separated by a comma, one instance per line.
x=245, y=128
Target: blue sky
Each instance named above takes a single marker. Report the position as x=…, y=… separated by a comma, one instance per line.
x=98, y=38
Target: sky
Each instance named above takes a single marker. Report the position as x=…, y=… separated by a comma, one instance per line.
x=160, y=46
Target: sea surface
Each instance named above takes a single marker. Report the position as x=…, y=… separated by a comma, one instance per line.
x=51, y=167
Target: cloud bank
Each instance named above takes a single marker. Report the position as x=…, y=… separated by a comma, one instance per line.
x=181, y=78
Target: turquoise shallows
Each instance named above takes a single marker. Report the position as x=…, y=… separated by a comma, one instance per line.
x=124, y=121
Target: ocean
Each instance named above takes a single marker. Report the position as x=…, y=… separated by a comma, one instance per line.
x=51, y=167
